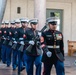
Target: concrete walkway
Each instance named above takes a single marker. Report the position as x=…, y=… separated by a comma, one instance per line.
x=70, y=68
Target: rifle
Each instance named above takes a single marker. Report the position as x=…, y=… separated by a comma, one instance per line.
x=2, y=40
x=14, y=46
x=10, y=43
x=34, y=39
x=21, y=48
x=6, y=40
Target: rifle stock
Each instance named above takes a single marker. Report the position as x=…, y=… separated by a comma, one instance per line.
x=10, y=43
x=0, y=39
x=21, y=48
x=4, y=41
x=14, y=46
x=29, y=48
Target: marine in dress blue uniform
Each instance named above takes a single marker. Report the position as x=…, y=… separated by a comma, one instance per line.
x=4, y=47
x=0, y=40
x=15, y=41
x=54, y=54
x=8, y=48
x=33, y=55
x=22, y=40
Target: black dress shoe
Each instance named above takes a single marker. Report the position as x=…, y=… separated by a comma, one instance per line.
x=22, y=69
x=8, y=65
x=4, y=62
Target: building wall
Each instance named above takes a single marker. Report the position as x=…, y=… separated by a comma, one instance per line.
x=27, y=10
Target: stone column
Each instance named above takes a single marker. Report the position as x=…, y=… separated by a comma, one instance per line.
x=2, y=9
x=40, y=12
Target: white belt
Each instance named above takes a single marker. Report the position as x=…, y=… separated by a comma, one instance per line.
x=13, y=38
x=53, y=46
x=20, y=38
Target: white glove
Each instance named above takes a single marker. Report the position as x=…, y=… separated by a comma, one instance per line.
x=49, y=54
x=22, y=42
x=15, y=42
x=31, y=42
x=39, y=33
x=4, y=38
x=13, y=38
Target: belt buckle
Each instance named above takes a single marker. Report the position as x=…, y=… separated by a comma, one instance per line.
x=54, y=46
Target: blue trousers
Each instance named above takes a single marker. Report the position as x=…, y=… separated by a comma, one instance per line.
x=3, y=52
x=24, y=59
x=21, y=60
x=0, y=52
x=30, y=61
x=20, y=65
x=59, y=66
x=8, y=55
x=15, y=59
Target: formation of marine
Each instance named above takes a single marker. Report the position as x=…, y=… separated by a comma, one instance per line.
x=22, y=45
